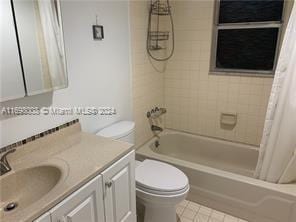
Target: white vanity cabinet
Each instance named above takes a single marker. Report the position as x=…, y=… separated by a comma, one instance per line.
x=120, y=199
x=109, y=197
x=86, y=204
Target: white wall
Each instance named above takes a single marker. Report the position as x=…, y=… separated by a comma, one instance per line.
x=98, y=71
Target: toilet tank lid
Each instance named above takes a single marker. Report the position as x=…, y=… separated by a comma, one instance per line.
x=118, y=130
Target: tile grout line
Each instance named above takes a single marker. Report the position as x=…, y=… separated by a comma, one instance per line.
x=209, y=217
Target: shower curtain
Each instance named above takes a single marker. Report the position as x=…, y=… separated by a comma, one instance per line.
x=277, y=155
x=53, y=37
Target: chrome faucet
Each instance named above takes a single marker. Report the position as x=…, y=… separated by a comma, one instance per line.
x=4, y=165
x=156, y=128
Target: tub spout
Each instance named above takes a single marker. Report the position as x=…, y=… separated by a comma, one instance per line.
x=156, y=128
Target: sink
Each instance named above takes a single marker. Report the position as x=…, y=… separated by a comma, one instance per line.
x=27, y=186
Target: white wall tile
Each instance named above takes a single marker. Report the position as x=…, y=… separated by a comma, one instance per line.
x=246, y=96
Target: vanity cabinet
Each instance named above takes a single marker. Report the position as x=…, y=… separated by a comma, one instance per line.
x=86, y=204
x=119, y=199
x=109, y=197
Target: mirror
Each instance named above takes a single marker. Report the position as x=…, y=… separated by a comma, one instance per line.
x=11, y=76
x=41, y=44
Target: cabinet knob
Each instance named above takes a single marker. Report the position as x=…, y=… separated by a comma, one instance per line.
x=108, y=184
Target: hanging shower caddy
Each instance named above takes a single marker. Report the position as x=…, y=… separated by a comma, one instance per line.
x=155, y=37
x=160, y=8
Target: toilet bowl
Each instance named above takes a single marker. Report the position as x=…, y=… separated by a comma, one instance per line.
x=159, y=186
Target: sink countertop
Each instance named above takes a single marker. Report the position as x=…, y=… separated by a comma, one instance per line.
x=79, y=156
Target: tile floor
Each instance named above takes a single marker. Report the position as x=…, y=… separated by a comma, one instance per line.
x=188, y=211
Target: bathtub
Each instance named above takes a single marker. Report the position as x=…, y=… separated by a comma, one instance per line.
x=220, y=175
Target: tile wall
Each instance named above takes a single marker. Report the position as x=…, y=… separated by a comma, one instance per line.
x=147, y=83
x=194, y=98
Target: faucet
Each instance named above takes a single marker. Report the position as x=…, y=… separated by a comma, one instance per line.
x=4, y=165
x=156, y=128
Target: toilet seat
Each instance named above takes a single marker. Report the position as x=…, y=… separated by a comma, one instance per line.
x=159, y=178
x=164, y=193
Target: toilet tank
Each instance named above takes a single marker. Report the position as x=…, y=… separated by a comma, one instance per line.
x=123, y=131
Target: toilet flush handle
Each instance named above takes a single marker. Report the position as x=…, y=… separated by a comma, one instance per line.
x=108, y=184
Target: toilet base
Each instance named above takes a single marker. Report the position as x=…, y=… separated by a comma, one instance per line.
x=157, y=214
x=160, y=208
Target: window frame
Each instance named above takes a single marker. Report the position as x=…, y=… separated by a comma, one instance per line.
x=242, y=25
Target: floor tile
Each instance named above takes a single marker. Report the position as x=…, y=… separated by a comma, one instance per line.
x=241, y=220
x=211, y=219
x=201, y=218
x=219, y=216
x=229, y=218
x=189, y=211
x=179, y=210
x=184, y=219
x=184, y=203
x=205, y=210
x=193, y=206
x=190, y=214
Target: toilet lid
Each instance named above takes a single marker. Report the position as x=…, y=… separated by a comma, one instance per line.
x=155, y=175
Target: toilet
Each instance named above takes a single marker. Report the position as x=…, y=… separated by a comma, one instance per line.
x=123, y=131
x=159, y=186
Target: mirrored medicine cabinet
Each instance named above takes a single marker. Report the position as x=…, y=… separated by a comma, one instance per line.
x=32, y=59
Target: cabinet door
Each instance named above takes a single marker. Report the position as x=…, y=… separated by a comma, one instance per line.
x=119, y=185
x=44, y=218
x=11, y=77
x=84, y=205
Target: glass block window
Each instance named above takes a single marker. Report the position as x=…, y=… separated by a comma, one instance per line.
x=246, y=36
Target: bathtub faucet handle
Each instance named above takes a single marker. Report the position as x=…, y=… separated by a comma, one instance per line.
x=162, y=110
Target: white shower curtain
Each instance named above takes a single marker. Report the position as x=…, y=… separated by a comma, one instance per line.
x=277, y=157
x=53, y=37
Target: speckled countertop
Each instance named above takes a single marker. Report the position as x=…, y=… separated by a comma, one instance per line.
x=79, y=156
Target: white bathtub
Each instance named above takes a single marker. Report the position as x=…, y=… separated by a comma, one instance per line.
x=220, y=175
